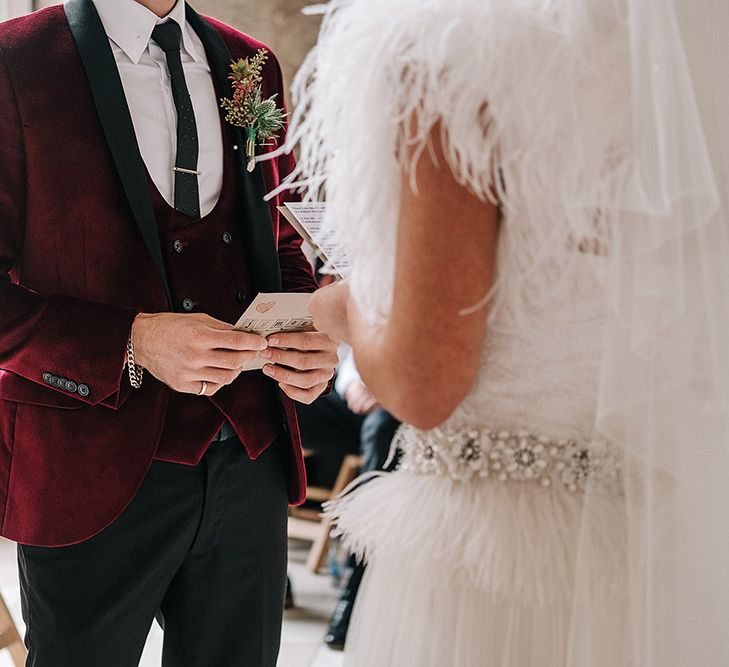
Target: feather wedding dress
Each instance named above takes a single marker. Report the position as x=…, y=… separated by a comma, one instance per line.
x=567, y=513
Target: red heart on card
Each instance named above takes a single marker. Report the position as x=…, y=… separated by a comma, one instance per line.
x=265, y=307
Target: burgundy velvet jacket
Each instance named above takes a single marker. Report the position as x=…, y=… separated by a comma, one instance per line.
x=80, y=256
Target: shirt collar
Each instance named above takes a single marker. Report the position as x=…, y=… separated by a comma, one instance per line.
x=129, y=25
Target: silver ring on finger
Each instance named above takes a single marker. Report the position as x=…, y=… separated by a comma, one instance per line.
x=203, y=388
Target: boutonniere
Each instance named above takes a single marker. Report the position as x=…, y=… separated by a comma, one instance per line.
x=261, y=119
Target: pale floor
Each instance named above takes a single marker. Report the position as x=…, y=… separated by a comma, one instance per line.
x=303, y=629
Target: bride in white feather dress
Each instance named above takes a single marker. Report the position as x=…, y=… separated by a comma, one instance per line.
x=535, y=192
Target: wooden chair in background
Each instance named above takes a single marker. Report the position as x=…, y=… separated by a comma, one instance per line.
x=10, y=637
x=307, y=523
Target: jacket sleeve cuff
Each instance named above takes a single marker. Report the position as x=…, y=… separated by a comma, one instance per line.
x=77, y=348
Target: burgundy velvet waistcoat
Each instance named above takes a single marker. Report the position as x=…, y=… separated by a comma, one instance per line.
x=207, y=272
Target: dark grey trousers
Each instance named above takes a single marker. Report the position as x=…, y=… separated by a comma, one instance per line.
x=202, y=548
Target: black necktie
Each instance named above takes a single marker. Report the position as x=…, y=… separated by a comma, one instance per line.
x=187, y=190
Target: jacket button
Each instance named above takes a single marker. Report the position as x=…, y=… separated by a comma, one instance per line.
x=83, y=390
x=188, y=305
x=47, y=378
x=54, y=381
x=62, y=382
x=177, y=245
x=241, y=296
x=227, y=238
x=71, y=386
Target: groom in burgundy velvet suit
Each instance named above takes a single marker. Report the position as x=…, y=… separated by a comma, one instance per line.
x=131, y=236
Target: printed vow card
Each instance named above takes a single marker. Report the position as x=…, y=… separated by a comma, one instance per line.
x=306, y=218
x=274, y=313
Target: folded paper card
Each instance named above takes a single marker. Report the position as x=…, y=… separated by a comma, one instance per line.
x=271, y=313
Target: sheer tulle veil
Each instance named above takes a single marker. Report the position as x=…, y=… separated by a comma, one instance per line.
x=637, y=167
x=664, y=390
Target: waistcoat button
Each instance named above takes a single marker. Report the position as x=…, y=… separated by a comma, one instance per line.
x=241, y=296
x=227, y=238
x=188, y=305
x=177, y=245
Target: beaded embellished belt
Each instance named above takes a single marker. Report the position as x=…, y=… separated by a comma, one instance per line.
x=508, y=456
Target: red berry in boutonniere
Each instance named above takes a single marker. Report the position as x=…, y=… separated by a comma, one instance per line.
x=260, y=118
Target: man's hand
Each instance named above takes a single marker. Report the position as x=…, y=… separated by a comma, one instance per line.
x=183, y=351
x=301, y=363
x=359, y=399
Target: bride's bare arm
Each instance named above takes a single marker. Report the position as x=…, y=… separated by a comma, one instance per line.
x=424, y=361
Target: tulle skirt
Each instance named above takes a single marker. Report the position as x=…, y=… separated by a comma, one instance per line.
x=483, y=573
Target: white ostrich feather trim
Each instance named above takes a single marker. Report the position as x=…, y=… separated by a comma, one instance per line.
x=533, y=100
x=509, y=540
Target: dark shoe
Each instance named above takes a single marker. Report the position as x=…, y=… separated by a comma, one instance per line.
x=338, y=626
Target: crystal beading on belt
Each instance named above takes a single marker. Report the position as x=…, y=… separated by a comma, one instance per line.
x=515, y=456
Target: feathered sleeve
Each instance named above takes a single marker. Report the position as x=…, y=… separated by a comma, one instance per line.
x=511, y=86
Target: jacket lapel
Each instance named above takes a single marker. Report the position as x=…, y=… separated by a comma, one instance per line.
x=111, y=106
x=256, y=226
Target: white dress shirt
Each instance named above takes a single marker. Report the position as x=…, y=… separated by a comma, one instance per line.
x=143, y=68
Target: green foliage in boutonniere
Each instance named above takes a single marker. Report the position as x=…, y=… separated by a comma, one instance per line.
x=260, y=118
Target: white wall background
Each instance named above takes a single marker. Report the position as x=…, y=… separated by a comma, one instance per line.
x=12, y=8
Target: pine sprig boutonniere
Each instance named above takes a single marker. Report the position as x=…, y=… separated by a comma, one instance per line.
x=260, y=118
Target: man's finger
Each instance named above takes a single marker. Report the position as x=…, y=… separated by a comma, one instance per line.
x=306, y=396
x=231, y=339
x=229, y=359
x=195, y=386
x=302, y=340
x=218, y=375
x=303, y=361
x=301, y=379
